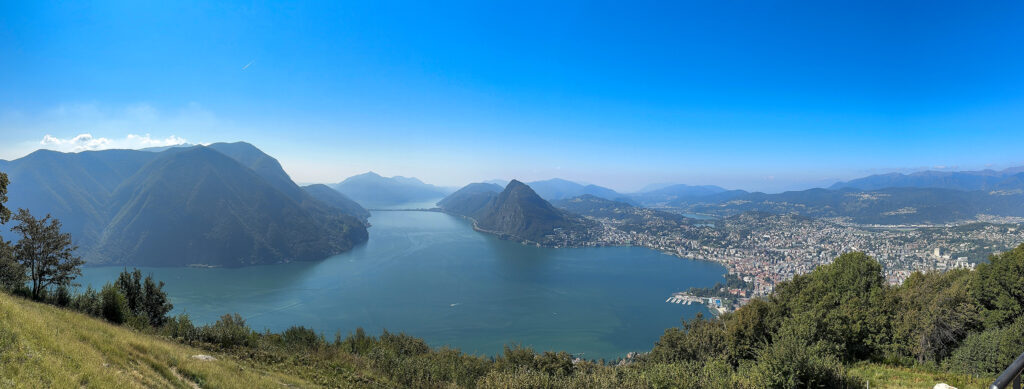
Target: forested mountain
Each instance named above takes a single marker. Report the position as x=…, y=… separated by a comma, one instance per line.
x=665, y=194
x=885, y=206
x=1007, y=179
x=181, y=206
x=557, y=188
x=329, y=196
x=470, y=200
x=371, y=190
x=519, y=213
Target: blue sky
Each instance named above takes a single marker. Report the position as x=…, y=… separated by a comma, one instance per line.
x=765, y=96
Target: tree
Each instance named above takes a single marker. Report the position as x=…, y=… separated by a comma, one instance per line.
x=154, y=302
x=5, y=213
x=45, y=252
x=130, y=284
x=12, y=274
x=113, y=304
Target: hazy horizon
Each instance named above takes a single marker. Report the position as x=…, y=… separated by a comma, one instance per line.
x=765, y=98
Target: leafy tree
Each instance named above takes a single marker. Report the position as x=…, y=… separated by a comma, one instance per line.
x=155, y=304
x=749, y=329
x=848, y=300
x=795, y=360
x=937, y=312
x=5, y=213
x=12, y=274
x=114, y=307
x=145, y=298
x=999, y=287
x=45, y=252
x=130, y=284
x=697, y=339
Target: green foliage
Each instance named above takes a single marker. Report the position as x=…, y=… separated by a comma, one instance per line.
x=695, y=340
x=990, y=351
x=181, y=327
x=114, y=306
x=146, y=298
x=795, y=359
x=88, y=302
x=937, y=312
x=302, y=338
x=45, y=252
x=5, y=213
x=12, y=273
x=230, y=331
x=999, y=287
x=849, y=302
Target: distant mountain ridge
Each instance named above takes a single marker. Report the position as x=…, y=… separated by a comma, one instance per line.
x=557, y=189
x=516, y=213
x=1007, y=179
x=222, y=205
x=371, y=189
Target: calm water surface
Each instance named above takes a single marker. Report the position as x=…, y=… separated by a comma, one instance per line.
x=430, y=275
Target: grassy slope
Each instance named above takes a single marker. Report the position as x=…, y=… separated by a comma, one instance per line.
x=44, y=346
x=882, y=376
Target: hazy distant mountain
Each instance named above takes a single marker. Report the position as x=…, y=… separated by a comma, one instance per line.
x=519, y=213
x=884, y=206
x=331, y=197
x=661, y=194
x=370, y=190
x=622, y=212
x=557, y=188
x=963, y=180
x=158, y=149
x=469, y=200
x=181, y=206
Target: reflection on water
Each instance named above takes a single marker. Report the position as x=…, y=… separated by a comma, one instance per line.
x=432, y=276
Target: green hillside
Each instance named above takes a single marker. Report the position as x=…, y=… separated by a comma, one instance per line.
x=44, y=346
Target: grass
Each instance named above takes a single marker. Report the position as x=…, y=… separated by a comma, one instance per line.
x=44, y=346
x=885, y=376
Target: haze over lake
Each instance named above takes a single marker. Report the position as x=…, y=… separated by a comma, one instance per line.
x=430, y=275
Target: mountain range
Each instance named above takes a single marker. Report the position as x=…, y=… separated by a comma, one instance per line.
x=226, y=204
x=372, y=190
x=1007, y=179
x=516, y=213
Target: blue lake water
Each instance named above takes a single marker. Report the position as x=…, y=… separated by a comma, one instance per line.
x=430, y=275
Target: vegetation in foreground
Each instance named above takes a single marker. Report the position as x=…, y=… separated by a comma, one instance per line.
x=838, y=326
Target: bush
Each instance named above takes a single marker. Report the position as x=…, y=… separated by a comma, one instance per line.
x=302, y=337
x=988, y=352
x=696, y=340
x=181, y=327
x=89, y=303
x=229, y=331
x=114, y=307
x=796, y=360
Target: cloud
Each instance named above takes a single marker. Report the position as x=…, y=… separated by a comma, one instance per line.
x=83, y=142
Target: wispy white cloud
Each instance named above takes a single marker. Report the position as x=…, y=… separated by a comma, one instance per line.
x=83, y=142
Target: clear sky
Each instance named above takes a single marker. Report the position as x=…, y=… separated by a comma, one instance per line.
x=754, y=95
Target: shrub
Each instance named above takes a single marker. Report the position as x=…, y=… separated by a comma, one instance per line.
x=114, y=307
x=795, y=360
x=301, y=337
x=89, y=303
x=697, y=339
x=181, y=327
x=229, y=331
x=988, y=352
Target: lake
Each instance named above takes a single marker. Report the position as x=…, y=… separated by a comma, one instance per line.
x=432, y=276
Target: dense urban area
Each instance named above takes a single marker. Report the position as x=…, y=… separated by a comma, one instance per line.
x=764, y=249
